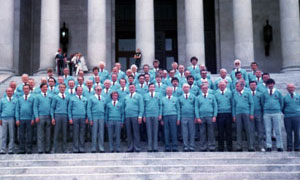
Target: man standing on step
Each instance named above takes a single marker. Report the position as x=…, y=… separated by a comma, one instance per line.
x=272, y=102
x=7, y=121
x=243, y=115
x=224, y=119
x=187, y=114
x=206, y=111
x=152, y=116
x=258, y=120
x=78, y=117
x=25, y=120
x=59, y=115
x=291, y=110
x=96, y=113
x=171, y=118
x=42, y=107
x=134, y=111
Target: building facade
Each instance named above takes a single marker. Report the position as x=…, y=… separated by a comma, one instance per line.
x=215, y=31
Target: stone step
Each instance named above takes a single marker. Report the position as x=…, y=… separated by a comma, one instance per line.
x=116, y=169
x=144, y=162
x=162, y=176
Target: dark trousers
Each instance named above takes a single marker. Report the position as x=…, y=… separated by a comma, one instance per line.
x=292, y=127
x=170, y=127
x=78, y=134
x=60, y=67
x=44, y=134
x=25, y=137
x=60, y=129
x=224, y=125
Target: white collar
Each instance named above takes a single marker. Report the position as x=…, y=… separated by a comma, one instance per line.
x=188, y=94
x=205, y=94
x=223, y=91
x=273, y=90
x=44, y=93
x=242, y=91
x=80, y=86
x=106, y=90
x=237, y=69
x=153, y=93
x=92, y=89
x=125, y=88
x=112, y=102
x=73, y=90
x=60, y=94
x=27, y=96
x=96, y=95
x=132, y=94
x=175, y=88
x=253, y=91
x=168, y=97
x=8, y=98
x=78, y=96
x=65, y=76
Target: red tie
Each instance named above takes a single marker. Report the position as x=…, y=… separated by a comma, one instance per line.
x=45, y=94
x=63, y=96
x=141, y=85
x=152, y=94
x=186, y=96
x=222, y=92
x=169, y=97
x=25, y=97
x=292, y=95
x=253, y=93
x=122, y=89
x=204, y=95
x=9, y=99
x=79, y=98
x=271, y=92
x=71, y=91
x=114, y=103
x=99, y=97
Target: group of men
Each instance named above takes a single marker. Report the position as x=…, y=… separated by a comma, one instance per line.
x=181, y=103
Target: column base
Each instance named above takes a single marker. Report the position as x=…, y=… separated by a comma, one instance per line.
x=290, y=69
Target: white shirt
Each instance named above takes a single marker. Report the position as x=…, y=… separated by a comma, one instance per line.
x=188, y=95
x=112, y=102
x=60, y=95
x=168, y=97
x=132, y=94
x=223, y=91
x=153, y=93
x=96, y=95
x=27, y=96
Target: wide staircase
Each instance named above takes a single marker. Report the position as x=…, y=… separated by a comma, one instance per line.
x=144, y=166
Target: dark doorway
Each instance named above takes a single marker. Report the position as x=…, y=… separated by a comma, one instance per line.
x=210, y=35
x=165, y=15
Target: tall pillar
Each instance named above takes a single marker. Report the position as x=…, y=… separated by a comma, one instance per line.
x=96, y=49
x=243, y=32
x=6, y=36
x=145, y=40
x=194, y=24
x=49, y=33
x=290, y=34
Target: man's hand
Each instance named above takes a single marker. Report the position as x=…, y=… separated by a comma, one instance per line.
x=140, y=120
x=37, y=120
x=53, y=122
x=86, y=121
x=178, y=122
x=251, y=117
x=162, y=122
x=71, y=121
x=91, y=123
x=144, y=119
x=199, y=120
x=18, y=123
x=0, y=122
x=234, y=118
x=213, y=119
x=32, y=122
x=159, y=118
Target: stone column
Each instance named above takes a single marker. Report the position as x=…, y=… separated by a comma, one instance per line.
x=243, y=32
x=194, y=24
x=6, y=36
x=144, y=21
x=96, y=49
x=49, y=33
x=290, y=34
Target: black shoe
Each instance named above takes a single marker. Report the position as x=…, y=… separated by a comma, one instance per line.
x=102, y=151
x=40, y=152
x=137, y=151
x=269, y=149
x=129, y=151
x=21, y=152
x=117, y=151
x=29, y=152
x=221, y=150
x=149, y=151
x=297, y=150
x=175, y=150
x=212, y=150
x=167, y=150
x=111, y=151
x=279, y=149
x=10, y=152
x=2, y=152
x=202, y=150
x=155, y=150
x=251, y=150
x=94, y=151
x=185, y=150
x=48, y=152
x=192, y=150
x=239, y=150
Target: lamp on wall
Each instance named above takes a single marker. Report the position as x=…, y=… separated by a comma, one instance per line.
x=64, y=37
x=268, y=37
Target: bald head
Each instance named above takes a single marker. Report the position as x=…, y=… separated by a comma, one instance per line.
x=291, y=88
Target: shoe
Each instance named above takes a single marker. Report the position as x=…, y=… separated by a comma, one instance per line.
x=297, y=150
x=29, y=152
x=94, y=152
x=129, y=151
x=111, y=151
x=21, y=152
x=239, y=150
x=137, y=151
x=10, y=152
x=175, y=150
x=102, y=151
x=279, y=149
x=289, y=150
x=155, y=150
x=185, y=150
x=202, y=150
x=167, y=150
x=192, y=150
x=212, y=150
x=149, y=150
x=2, y=152
x=269, y=149
x=40, y=152
x=251, y=150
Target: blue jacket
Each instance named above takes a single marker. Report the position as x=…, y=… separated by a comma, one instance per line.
x=77, y=107
x=103, y=75
x=24, y=109
x=134, y=106
x=96, y=108
x=272, y=103
x=291, y=106
x=187, y=106
x=42, y=105
x=171, y=107
x=206, y=107
x=242, y=104
x=59, y=105
x=8, y=108
x=152, y=106
x=114, y=113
